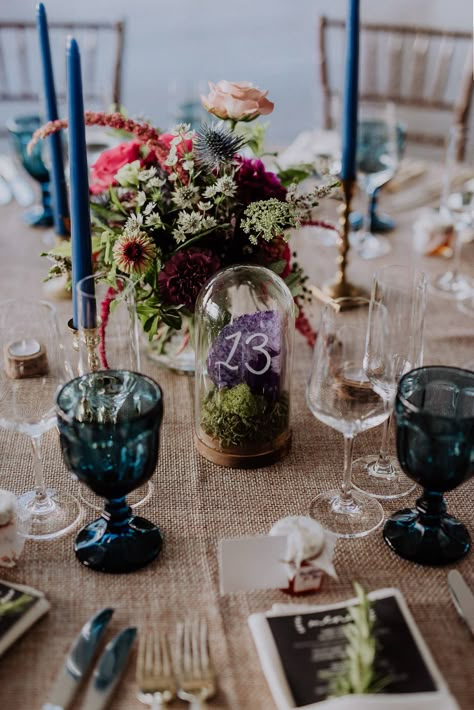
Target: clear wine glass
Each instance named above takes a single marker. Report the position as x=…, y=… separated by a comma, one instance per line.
x=112, y=306
x=458, y=206
x=377, y=162
x=32, y=368
x=390, y=353
x=340, y=395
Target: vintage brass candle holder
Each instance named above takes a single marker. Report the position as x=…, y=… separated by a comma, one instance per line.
x=341, y=286
x=91, y=339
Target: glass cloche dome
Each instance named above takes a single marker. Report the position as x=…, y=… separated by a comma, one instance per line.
x=245, y=322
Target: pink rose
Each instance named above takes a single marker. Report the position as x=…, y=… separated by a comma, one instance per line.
x=107, y=165
x=236, y=100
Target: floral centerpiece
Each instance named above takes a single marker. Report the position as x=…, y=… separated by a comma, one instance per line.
x=170, y=209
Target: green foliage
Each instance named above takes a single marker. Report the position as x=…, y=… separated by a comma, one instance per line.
x=358, y=675
x=295, y=175
x=236, y=416
x=15, y=606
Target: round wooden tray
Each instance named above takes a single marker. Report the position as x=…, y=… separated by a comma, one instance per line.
x=235, y=458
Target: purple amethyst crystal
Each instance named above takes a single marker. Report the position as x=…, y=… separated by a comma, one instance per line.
x=248, y=350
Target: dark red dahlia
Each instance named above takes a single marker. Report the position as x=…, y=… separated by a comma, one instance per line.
x=255, y=183
x=185, y=274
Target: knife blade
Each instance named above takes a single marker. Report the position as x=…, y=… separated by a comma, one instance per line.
x=109, y=669
x=78, y=661
x=462, y=597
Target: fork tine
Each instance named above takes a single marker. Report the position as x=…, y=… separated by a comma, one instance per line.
x=149, y=654
x=165, y=655
x=157, y=659
x=141, y=658
x=204, y=646
x=195, y=648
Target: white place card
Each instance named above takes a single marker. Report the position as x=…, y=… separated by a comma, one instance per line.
x=248, y=563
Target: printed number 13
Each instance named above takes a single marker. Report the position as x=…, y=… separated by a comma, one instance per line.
x=260, y=348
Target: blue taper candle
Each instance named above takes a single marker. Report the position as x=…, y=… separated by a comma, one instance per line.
x=60, y=203
x=81, y=245
x=351, y=91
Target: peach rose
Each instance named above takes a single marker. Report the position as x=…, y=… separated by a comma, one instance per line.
x=236, y=100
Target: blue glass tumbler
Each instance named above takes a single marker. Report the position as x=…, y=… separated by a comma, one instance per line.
x=434, y=412
x=21, y=131
x=109, y=424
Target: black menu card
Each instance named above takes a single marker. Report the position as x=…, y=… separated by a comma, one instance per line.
x=20, y=608
x=312, y=649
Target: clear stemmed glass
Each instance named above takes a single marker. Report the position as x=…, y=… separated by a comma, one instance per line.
x=390, y=352
x=32, y=368
x=117, y=346
x=340, y=395
x=458, y=206
x=377, y=162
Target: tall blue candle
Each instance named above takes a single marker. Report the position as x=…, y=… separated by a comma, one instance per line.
x=81, y=246
x=351, y=90
x=60, y=204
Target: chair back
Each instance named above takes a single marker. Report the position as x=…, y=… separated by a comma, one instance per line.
x=101, y=46
x=427, y=73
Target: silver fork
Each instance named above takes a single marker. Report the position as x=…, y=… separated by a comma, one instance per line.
x=194, y=670
x=155, y=678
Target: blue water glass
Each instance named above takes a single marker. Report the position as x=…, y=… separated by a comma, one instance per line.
x=434, y=412
x=21, y=131
x=370, y=131
x=109, y=424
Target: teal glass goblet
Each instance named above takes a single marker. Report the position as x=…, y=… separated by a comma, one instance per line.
x=434, y=412
x=109, y=424
x=21, y=131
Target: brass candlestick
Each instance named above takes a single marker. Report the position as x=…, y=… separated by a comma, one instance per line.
x=91, y=339
x=341, y=286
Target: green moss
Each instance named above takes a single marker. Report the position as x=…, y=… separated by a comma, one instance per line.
x=237, y=417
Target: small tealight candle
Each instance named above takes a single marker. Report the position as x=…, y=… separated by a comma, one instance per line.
x=24, y=348
x=25, y=358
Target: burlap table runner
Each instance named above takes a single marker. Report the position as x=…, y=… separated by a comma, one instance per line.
x=196, y=503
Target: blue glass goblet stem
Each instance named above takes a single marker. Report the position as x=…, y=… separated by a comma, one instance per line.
x=109, y=425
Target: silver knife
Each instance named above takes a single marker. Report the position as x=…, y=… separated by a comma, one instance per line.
x=462, y=597
x=78, y=661
x=109, y=669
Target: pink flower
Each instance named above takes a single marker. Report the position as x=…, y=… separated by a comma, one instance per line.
x=236, y=100
x=109, y=162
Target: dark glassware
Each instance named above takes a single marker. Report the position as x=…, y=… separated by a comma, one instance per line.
x=21, y=131
x=434, y=412
x=109, y=424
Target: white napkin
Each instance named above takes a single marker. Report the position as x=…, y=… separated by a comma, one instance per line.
x=308, y=147
x=275, y=675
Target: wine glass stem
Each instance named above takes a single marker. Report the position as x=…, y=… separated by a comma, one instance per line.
x=457, y=247
x=45, y=196
x=383, y=465
x=346, y=488
x=367, y=224
x=41, y=496
x=118, y=513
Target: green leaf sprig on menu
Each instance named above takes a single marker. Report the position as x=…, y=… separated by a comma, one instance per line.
x=358, y=675
x=15, y=606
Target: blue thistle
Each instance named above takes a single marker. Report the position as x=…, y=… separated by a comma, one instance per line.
x=216, y=144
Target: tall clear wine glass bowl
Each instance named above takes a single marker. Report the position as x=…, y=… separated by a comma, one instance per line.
x=434, y=412
x=32, y=368
x=390, y=352
x=113, y=306
x=457, y=204
x=21, y=131
x=340, y=395
x=377, y=162
x=109, y=424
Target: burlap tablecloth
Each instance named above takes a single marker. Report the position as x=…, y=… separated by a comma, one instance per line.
x=196, y=503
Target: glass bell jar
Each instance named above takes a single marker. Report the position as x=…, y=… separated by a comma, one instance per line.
x=245, y=324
